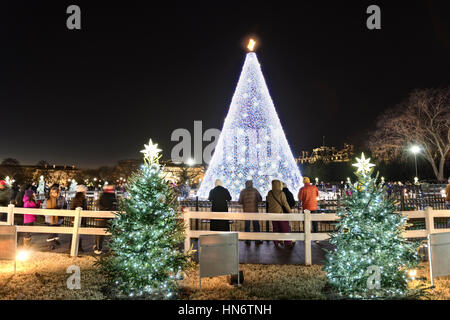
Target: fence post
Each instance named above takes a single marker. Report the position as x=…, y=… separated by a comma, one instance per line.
x=75, y=236
x=307, y=227
x=429, y=220
x=10, y=217
x=187, y=223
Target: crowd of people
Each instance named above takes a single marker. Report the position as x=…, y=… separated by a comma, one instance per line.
x=278, y=200
x=26, y=197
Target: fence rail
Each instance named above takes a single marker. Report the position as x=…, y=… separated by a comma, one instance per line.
x=76, y=230
x=429, y=215
x=307, y=236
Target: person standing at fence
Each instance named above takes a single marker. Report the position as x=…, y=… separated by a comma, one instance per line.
x=5, y=195
x=18, y=202
x=277, y=203
x=106, y=202
x=79, y=201
x=29, y=201
x=14, y=192
x=290, y=199
x=307, y=195
x=54, y=201
x=249, y=199
x=289, y=196
x=219, y=197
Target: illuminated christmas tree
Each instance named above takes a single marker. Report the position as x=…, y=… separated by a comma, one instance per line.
x=371, y=258
x=41, y=187
x=73, y=186
x=145, y=259
x=252, y=144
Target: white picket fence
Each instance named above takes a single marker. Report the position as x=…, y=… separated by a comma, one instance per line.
x=307, y=236
x=76, y=230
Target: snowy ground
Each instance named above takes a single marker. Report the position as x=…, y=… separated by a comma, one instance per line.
x=44, y=276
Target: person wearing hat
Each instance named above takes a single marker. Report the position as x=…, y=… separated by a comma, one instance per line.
x=5, y=197
x=79, y=201
x=29, y=201
x=219, y=197
x=107, y=202
x=308, y=195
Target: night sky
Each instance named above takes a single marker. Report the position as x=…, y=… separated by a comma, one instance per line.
x=137, y=70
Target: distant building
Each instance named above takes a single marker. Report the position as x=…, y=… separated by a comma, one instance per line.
x=327, y=154
x=61, y=174
x=182, y=173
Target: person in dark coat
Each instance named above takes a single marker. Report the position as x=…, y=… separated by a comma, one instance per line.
x=107, y=202
x=14, y=192
x=79, y=201
x=219, y=197
x=289, y=196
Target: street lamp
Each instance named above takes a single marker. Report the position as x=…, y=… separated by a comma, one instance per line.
x=415, y=150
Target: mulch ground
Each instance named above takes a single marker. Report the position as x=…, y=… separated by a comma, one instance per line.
x=44, y=276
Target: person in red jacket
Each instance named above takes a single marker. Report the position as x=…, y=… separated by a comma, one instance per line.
x=308, y=195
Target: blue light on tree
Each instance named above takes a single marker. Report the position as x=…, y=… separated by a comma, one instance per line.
x=252, y=144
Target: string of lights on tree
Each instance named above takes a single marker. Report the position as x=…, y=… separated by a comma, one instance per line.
x=369, y=239
x=252, y=144
x=145, y=260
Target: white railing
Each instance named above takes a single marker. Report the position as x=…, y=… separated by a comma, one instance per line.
x=76, y=230
x=307, y=236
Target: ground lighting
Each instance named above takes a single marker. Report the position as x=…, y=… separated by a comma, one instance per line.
x=412, y=273
x=23, y=255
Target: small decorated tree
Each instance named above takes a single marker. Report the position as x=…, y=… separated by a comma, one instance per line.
x=371, y=258
x=73, y=186
x=41, y=186
x=145, y=259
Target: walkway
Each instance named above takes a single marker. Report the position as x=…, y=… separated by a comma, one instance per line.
x=265, y=253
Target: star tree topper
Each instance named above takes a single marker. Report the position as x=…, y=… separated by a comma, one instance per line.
x=363, y=164
x=151, y=151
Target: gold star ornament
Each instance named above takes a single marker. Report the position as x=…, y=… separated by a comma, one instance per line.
x=150, y=150
x=363, y=164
